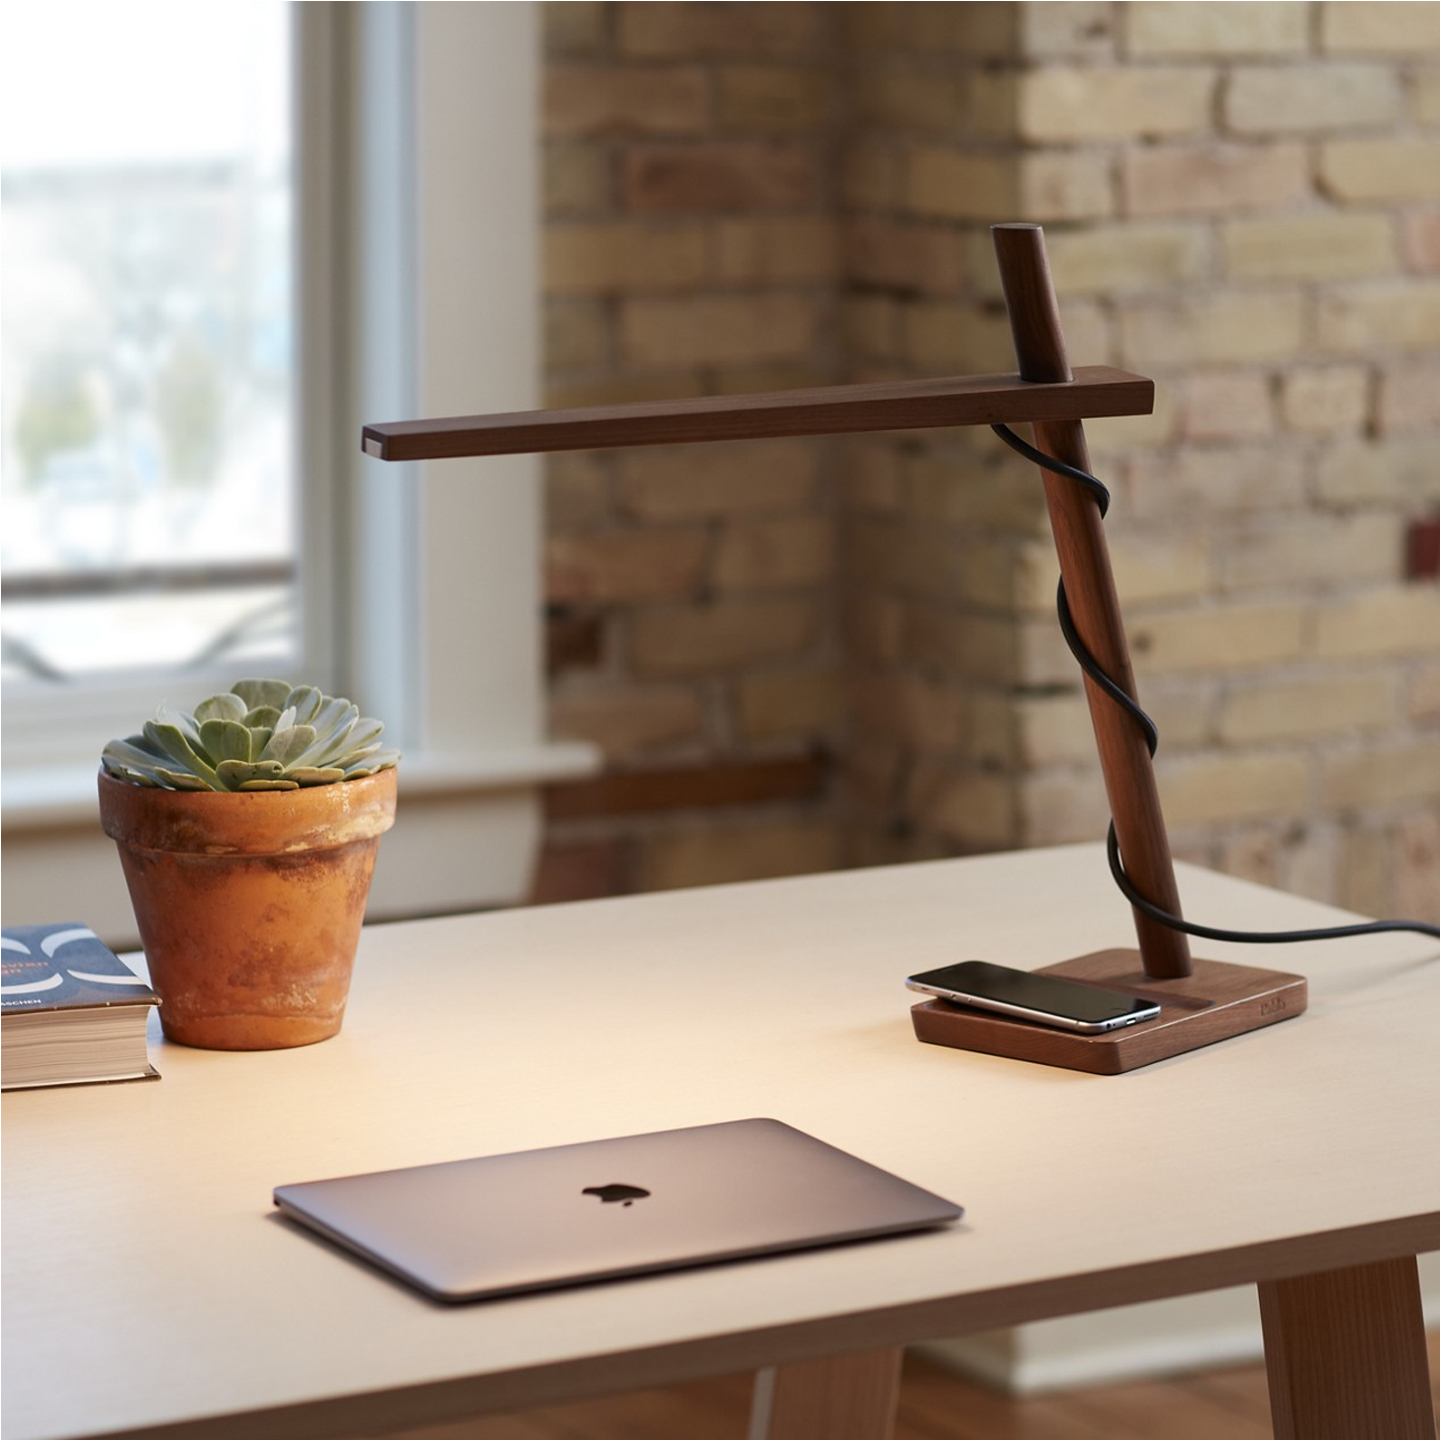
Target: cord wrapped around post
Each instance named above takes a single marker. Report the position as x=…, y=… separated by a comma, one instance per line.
x=1131, y=706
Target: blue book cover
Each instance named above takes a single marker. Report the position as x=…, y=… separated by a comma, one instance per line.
x=64, y=966
x=71, y=1011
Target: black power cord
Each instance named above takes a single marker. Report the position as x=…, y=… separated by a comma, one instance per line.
x=1127, y=702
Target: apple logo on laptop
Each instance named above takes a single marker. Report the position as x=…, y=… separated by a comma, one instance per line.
x=610, y=1194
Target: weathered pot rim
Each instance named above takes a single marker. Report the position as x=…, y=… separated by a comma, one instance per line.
x=257, y=822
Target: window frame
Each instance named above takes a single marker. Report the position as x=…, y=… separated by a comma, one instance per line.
x=407, y=157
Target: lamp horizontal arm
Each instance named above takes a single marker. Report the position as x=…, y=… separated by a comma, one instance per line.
x=830, y=410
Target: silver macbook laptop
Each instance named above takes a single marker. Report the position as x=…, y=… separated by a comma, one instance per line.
x=503, y=1224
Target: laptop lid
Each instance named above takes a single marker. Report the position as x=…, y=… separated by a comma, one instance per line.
x=535, y=1219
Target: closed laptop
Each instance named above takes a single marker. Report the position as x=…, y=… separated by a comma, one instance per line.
x=535, y=1219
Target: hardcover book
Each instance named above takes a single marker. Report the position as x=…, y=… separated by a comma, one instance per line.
x=71, y=1011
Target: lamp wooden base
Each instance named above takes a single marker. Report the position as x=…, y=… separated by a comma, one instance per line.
x=1215, y=1002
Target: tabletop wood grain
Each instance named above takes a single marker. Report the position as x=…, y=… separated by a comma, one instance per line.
x=148, y=1284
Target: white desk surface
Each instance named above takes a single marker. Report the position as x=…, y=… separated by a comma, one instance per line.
x=147, y=1282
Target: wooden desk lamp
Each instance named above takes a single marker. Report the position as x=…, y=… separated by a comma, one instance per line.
x=1201, y=1001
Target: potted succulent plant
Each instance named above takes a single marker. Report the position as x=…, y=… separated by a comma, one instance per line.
x=248, y=832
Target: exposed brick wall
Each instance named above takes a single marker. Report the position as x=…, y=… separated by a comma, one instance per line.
x=947, y=550
x=1241, y=200
x=692, y=247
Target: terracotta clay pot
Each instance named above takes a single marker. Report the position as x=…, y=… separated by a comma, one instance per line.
x=249, y=905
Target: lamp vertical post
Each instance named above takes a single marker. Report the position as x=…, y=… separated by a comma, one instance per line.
x=1090, y=589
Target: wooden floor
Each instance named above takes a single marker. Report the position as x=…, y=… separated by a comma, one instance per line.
x=936, y=1405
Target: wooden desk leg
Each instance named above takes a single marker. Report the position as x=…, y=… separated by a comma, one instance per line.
x=845, y=1397
x=1345, y=1355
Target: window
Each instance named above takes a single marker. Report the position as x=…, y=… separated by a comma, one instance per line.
x=148, y=478
x=419, y=585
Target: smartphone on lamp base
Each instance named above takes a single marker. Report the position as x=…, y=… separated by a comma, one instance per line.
x=1040, y=999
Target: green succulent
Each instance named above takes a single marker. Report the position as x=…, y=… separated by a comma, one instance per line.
x=260, y=735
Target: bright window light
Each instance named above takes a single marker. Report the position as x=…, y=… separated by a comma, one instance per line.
x=148, y=460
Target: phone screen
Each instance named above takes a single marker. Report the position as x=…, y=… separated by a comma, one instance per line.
x=1065, y=999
